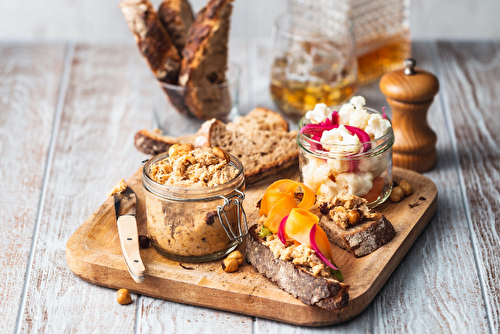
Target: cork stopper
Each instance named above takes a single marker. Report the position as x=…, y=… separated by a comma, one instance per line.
x=410, y=84
x=410, y=92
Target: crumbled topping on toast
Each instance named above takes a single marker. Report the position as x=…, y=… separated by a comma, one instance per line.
x=347, y=210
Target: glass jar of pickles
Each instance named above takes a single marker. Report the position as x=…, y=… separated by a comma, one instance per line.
x=347, y=150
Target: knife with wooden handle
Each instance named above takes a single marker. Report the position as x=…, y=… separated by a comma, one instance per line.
x=125, y=207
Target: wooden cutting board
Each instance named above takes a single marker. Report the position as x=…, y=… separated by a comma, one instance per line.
x=93, y=253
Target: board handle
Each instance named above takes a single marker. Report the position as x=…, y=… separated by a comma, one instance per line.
x=129, y=242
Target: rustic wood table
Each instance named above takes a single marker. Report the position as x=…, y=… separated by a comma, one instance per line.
x=68, y=114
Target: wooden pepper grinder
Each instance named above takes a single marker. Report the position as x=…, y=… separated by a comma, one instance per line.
x=410, y=92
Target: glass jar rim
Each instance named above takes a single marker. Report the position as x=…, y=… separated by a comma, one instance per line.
x=233, y=68
x=279, y=21
x=377, y=144
x=191, y=194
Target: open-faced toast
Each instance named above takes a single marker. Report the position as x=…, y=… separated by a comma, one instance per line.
x=350, y=225
x=325, y=292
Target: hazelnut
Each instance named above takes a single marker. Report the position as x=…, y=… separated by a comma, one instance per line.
x=123, y=297
x=173, y=150
x=353, y=216
x=230, y=265
x=340, y=209
x=406, y=187
x=177, y=149
x=397, y=194
x=221, y=154
x=236, y=255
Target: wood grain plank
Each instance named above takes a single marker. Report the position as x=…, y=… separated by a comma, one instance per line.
x=161, y=316
x=470, y=73
x=106, y=102
x=436, y=287
x=29, y=87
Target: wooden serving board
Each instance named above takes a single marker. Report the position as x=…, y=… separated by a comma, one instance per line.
x=93, y=253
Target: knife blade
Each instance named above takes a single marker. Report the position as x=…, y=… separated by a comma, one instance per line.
x=125, y=208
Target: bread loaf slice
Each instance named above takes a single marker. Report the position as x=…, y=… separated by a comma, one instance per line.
x=176, y=16
x=153, y=142
x=361, y=239
x=153, y=41
x=262, y=152
x=324, y=292
x=261, y=119
x=205, y=62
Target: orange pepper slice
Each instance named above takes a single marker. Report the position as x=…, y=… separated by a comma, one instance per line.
x=279, y=189
x=279, y=211
x=298, y=226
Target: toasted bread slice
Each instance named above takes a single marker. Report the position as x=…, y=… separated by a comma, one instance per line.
x=351, y=225
x=205, y=61
x=153, y=142
x=361, y=239
x=262, y=152
x=153, y=41
x=176, y=16
x=262, y=119
x=324, y=292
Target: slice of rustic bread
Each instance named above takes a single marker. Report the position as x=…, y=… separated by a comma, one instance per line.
x=205, y=61
x=153, y=41
x=176, y=16
x=153, y=142
x=262, y=152
x=324, y=292
x=262, y=119
x=361, y=239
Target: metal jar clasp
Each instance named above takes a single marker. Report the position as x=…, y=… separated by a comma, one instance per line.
x=237, y=200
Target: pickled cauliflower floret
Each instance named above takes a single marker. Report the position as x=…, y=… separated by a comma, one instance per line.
x=358, y=184
x=359, y=118
x=319, y=114
x=377, y=126
x=341, y=136
x=346, y=111
x=375, y=165
x=315, y=172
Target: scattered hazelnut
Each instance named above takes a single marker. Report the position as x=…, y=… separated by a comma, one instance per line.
x=236, y=255
x=143, y=241
x=353, y=216
x=230, y=265
x=221, y=153
x=406, y=187
x=123, y=297
x=397, y=194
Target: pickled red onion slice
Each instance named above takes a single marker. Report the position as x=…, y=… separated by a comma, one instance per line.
x=281, y=231
x=314, y=246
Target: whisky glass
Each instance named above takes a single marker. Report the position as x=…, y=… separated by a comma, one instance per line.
x=314, y=61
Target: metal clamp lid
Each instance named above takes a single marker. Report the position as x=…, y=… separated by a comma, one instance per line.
x=237, y=199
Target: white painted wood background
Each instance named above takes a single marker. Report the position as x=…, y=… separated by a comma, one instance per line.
x=101, y=20
x=68, y=114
